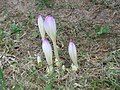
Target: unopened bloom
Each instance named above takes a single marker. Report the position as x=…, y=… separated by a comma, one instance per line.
x=50, y=27
x=47, y=49
x=39, y=58
x=41, y=26
x=63, y=67
x=73, y=53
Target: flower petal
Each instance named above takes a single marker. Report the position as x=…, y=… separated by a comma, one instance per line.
x=47, y=51
x=50, y=27
x=41, y=26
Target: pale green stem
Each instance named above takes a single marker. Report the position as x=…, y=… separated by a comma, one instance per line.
x=76, y=63
x=50, y=69
x=56, y=51
x=18, y=37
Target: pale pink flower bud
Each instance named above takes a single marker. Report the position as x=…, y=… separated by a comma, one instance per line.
x=47, y=49
x=73, y=53
x=41, y=26
x=50, y=27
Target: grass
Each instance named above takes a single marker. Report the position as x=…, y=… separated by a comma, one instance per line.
x=41, y=4
x=96, y=38
x=2, y=81
x=102, y=30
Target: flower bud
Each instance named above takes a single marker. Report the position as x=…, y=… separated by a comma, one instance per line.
x=41, y=26
x=48, y=53
x=50, y=27
x=73, y=53
x=63, y=67
x=39, y=58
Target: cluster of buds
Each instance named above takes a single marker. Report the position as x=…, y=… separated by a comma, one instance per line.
x=49, y=26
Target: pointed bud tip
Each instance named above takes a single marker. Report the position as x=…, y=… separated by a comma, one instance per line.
x=45, y=40
x=37, y=17
x=49, y=18
x=72, y=41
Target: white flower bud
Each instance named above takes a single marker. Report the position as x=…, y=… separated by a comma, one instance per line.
x=48, y=53
x=41, y=26
x=73, y=53
x=39, y=59
x=63, y=67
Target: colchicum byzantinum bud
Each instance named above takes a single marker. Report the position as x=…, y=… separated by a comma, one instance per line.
x=50, y=28
x=39, y=61
x=39, y=58
x=41, y=26
x=47, y=49
x=73, y=55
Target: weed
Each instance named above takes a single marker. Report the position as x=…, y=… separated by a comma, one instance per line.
x=41, y=4
x=18, y=86
x=1, y=34
x=2, y=81
x=102, y=30
x=50, y=81
x=15, y=29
